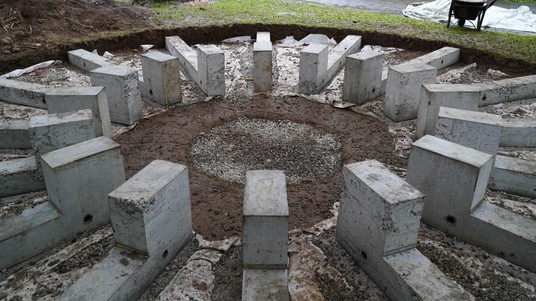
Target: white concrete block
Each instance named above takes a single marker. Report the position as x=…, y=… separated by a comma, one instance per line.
x=438, y=59
x=151, y=211
x=161, y=78
x=86, y=60
x=514, y=175
x=313, y=68
x=477, y=130
x=20, y=176
x=519, y=132
x=211, y=69
x=23, y=93
x=337, y=56
x=265, y=230
x=509, y=89
x=54, y=131
x=262, y=63
x=266, y=285
x=122, y=91
x=14, y=134
x=403, y=90
x=363, y=77
x=434, y=96
x=186, y=55
x=68, y=99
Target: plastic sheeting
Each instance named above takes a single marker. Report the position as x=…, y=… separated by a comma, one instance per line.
x=520, y=19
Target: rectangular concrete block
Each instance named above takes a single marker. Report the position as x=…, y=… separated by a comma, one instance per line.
x=161, y=78
x=434, y=96
x=14, y=134
x=122, y=91
x=68, y=99
x=518, y=132
x=86, y=60
x=514, y=175
x=477, y=130
x=151, y=211
x=436, y=166
x=509, y=89
x=363, y=77
x=403, y=90
x=186, y=55
x=337, y=56
x=266, y=285
x=379, y=214
x=438, y=59
x=23, y=93
x=20, y=176
x=265, y=230
x=211, y=69
x=262, y=63
x=313, y=68
x=54, y=131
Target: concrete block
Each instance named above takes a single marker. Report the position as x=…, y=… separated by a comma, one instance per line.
x=151, y=211
x=54, y=131
x=14, y=134
x=378, y=225
x=435, y=167
x=20, y=176
x=78, y=179
x=266, y=285
x=363, y=77
x=313, y=68
x=23, y=93
x=509, y=89
x=337, y=56
x=68, y=99
x=154, y=207
x=513, y=175
x=161, y=78
x=403, y=90
x=519, y=132
x=434, y=96
x=211, y=69
x=86, y=60
x=265, y=230
x=262, y=63
x=122, y=91
x=438, y=59
x=477, y=130
x=186, y=55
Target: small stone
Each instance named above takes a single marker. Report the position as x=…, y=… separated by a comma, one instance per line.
x=6, y=41
x=6, y=51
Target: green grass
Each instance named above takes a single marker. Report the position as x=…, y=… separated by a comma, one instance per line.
x=521, y=1
x=227, y=12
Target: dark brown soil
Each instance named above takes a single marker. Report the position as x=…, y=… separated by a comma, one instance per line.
x=217, y=204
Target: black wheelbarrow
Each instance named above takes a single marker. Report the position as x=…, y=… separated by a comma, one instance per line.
x=469, y=10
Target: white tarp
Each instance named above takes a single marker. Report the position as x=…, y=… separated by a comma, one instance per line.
x=520, y=19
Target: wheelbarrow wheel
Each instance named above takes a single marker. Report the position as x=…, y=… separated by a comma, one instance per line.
x=461, y=22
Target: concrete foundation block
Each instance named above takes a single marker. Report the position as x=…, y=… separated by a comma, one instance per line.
x=151, y=211
x=434, y=96
x=265, y=230
x=54, y=131
x=211, y=69
x=186, y=55
x=86, y=60
x=435, y=167
x=262, y=63
x=20, y=176
x=514, y=175
x=477, y=130
x=14, y=134
x=363, y=77
x=337, y=56
x=519, y=132
x=122, y=91
x=267, y=285
x=68, y=99
x=161, y=78
x=438, y=59
x=510, y=89
x=403, y=90
x=313, y=68
x=23, y=93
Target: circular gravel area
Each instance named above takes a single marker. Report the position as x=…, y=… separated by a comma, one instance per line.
x=229, y=150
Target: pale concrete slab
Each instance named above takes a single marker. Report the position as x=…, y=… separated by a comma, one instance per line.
x=186, y=55
x=519, y=132
x=68, y=99
x=23, y=93
x=86, y=60
x=161, y=78
x=20, y=176
x=14, y=134
x=363, y=77
x=514, y=175
x=510, y=89
x=266, y=285
x=211, y=69
x=265, y=228
x=262, y=63
x=438, y=59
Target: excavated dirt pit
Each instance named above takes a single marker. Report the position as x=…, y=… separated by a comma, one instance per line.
x=309, y=137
